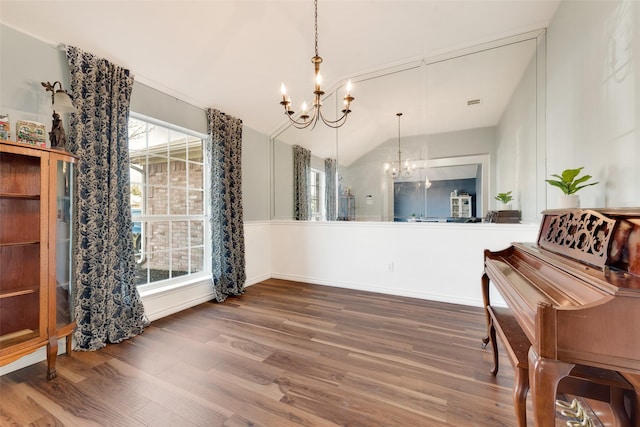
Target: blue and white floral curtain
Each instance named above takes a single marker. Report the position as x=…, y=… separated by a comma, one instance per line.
x=107, y=305
x=331, y=182
x=301, y=176
x=227, y=225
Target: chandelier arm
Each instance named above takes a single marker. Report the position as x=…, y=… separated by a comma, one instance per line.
x=308, y=121
x=328, y=122
x=298, y=125
x=305, y=123
x=334, y=125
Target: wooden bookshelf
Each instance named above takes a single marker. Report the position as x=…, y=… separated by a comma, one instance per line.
x=31, y=180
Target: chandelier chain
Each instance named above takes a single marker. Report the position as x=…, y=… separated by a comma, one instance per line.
x=315, y=4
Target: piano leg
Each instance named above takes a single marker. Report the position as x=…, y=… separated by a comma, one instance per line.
x=486, y=302
x=494, y=344
x=520, y=390
x=634, y=380
x=544, y=376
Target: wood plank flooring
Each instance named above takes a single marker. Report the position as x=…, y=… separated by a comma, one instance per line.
x=283, y=354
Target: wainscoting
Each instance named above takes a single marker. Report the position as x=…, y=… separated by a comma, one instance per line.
x=434, y=261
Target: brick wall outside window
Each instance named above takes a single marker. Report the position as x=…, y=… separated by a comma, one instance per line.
x=175, y=200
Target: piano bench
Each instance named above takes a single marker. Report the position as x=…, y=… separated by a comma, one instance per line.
x=585, y=381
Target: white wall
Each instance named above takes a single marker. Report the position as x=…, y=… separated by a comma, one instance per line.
x=593, y=99
x=158, y=304
x=282, y=181
x=516, y=148
x=25, y=62
x=441, y=261
x=256, y=164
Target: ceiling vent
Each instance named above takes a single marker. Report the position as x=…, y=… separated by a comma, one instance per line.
x=473, y=102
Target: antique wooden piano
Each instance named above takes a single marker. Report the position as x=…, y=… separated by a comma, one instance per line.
x=575, y=294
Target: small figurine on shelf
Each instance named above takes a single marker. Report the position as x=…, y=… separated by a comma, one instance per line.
x=57, y=136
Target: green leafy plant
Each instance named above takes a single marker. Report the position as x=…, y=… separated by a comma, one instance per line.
x=504, y=197
x=569, y=182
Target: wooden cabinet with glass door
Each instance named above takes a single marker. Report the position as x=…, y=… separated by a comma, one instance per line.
x=35, y=251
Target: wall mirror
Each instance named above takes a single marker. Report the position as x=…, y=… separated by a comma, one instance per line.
x=472, y=124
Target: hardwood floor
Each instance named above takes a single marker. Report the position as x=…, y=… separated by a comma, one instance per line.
x=283, y=354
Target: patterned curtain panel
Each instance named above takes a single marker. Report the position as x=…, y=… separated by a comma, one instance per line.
x=227, y=225
x=331, y=182
x=301, y=172
x=107, y=304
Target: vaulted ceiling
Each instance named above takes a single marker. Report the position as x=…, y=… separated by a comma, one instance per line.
x=233, y=55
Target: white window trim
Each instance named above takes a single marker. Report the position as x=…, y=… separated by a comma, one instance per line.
x=321, y=193
x=188, y=280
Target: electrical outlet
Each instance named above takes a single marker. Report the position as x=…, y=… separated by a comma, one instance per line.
x=391, y=267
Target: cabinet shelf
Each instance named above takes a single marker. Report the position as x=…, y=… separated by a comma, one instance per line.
x=13, y=338
x=8, y=244
x=18, y=293
x=19, y=196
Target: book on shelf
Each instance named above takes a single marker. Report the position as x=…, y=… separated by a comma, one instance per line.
x=5, y=127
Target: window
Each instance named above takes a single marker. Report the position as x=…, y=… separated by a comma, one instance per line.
x=316, y=195
x=168, y=202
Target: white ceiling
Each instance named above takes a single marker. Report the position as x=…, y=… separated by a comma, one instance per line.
x=433, y=97
x=233, y=55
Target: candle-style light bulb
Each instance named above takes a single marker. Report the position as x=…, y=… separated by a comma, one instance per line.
x=304, y=107
x=348, y=87
x=283, y=89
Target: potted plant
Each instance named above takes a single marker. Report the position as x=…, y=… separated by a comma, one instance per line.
x=569, y=183
x=505, y=198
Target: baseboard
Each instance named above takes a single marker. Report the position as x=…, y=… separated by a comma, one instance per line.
x=381, y=290
x=37, y=356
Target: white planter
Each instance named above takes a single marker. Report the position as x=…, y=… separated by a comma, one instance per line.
x=569, y=201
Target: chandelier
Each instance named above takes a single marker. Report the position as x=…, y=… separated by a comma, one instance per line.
x=308, y=118
x=399, y=170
